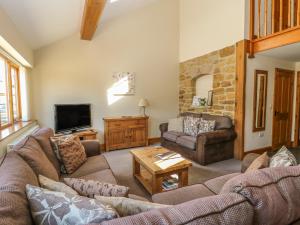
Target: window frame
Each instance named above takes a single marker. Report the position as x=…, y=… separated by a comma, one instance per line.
x=9, y=95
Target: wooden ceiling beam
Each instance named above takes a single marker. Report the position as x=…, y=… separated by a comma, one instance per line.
x=92, y=12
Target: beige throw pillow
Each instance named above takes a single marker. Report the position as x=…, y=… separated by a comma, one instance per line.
x=176, y=124
x=58, y=208
x=70, y=151
x=127, y=206
x=259, y=163
x=90, y=188
x=55, y=186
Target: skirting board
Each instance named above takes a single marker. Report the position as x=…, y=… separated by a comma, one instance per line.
x=151, y=141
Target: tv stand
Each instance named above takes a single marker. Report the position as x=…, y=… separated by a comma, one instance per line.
x=87, y=134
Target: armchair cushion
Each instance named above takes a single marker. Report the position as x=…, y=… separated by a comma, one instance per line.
x=172, y=135
x=187, y=141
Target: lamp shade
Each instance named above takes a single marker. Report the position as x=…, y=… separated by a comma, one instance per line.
x=143, y=102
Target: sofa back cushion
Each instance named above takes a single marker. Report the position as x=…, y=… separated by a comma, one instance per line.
x=220, y=209
x=222, y=122
x=42, y=136
x=274, y=193
x=30, y=150
x=185, y=114
x=15, y=173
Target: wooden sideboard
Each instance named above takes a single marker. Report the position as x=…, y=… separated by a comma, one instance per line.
x=125, y=132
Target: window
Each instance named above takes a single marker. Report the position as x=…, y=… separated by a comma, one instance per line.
x=10, y=101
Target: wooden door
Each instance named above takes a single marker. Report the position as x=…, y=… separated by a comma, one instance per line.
x=283, y=107
x=137, y=136
x=117, y=139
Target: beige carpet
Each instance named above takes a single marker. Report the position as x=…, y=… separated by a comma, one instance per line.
x=121, y=165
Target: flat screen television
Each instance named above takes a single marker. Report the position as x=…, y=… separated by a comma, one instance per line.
x=72, y=117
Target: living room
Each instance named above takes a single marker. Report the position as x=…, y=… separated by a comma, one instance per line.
x=180, y=121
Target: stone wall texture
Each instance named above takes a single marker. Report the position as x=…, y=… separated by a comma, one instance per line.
x=222, y=65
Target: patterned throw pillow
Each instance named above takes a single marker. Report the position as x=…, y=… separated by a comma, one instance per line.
x=127, y=206
x=57, y=208
x=206, y=126
x=283, y=158
x=55, y=142
x=175, y=124
x=55, y=186
x=70, y=151
x=190, y=125
x=90, y=188
x=259, y=163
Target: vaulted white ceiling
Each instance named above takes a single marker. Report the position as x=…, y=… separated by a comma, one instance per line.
x=43, y=22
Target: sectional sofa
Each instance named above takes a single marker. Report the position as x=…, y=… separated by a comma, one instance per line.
x=268, y=196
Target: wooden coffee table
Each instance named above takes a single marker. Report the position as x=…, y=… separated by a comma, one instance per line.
x=150, y=175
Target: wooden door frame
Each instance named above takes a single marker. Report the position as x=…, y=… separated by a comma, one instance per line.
x=297, y=115
x=277, y=70
x=241, y=72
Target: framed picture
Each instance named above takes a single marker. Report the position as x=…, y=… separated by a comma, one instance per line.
x=124, y=84
x=210, y=98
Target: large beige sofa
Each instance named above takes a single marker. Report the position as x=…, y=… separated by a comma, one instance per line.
x=268, y=196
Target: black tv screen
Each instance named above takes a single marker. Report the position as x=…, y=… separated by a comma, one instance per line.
x=72, y=117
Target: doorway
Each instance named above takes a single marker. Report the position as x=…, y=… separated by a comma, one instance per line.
x=283, y=108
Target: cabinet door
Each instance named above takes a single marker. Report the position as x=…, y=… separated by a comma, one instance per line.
x=137, y=136
x=116, y=139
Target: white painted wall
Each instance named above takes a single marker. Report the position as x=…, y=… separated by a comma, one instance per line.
x=75, y=71
x=252, y=139
x=209, y=25
x=9, y=32
x=204, y=84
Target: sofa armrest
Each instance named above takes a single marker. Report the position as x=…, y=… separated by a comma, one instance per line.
x=92, y=147
x=163, y=128
x=248, y=159
x=216, y=136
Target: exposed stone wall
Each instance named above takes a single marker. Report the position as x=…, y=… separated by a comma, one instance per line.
x=222, y=65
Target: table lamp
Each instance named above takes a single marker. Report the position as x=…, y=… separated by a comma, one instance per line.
x=144, y=103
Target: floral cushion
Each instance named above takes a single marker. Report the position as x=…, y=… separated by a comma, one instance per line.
x=127, y=206
x=90, y=188
x=190, y=125
x=55, y=186
x=283, y=158
x=53, y=208
x=70, y=151
x=206, y=126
